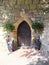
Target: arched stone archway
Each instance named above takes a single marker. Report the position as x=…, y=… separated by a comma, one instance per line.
x=18, y=24
x=24, y=34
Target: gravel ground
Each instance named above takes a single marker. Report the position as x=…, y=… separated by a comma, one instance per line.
x=24, y=57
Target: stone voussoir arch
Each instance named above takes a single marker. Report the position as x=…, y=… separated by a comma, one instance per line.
x=18, y=22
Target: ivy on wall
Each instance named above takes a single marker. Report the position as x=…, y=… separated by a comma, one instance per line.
x=9, y=27
x=38, y=26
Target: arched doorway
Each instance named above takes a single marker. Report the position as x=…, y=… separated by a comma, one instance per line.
x=24, y=34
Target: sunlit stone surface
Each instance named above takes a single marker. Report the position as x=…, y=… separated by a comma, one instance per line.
x=45, y=39
x=3, y=44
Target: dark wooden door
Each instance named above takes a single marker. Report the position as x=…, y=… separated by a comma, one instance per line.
x=24, y=34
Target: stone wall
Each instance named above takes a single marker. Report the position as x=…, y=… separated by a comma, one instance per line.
x=45, y=38
x=3, y=43
x=28, y=4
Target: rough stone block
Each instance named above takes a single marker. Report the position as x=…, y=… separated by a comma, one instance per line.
x=35, y=1
x=20, y=2
x=32, y=7
x=24, y=6
x=28, y=1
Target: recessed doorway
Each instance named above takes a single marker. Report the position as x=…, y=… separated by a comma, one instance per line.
x=24, y=34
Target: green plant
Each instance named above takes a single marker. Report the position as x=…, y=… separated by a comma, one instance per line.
x=8, y=27
x=38, y=26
